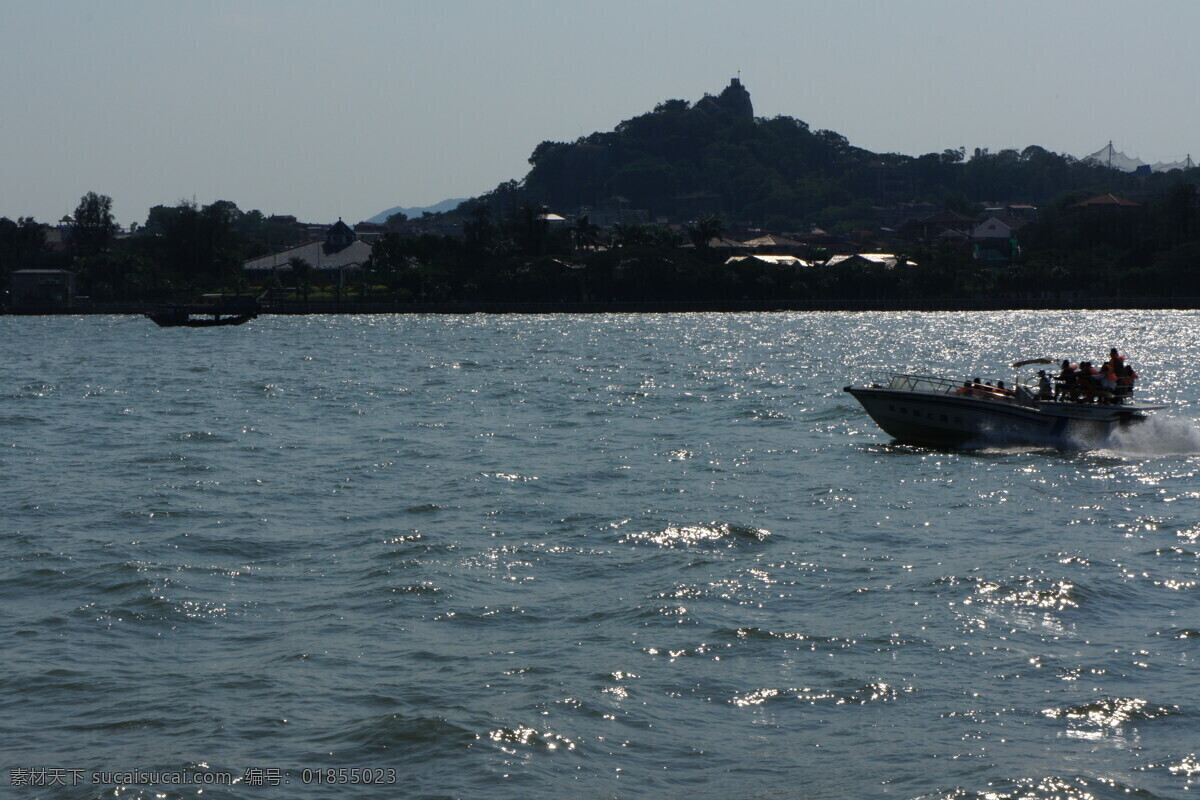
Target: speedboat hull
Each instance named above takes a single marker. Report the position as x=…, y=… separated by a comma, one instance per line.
x=942, y=418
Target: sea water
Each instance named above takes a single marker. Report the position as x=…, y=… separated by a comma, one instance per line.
x=593, y=556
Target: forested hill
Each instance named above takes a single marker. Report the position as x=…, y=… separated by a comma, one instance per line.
x=683, y=160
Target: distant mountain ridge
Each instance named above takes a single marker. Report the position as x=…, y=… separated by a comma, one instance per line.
x=416, y=211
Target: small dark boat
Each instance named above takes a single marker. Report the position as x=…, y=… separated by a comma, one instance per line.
x=203, y=315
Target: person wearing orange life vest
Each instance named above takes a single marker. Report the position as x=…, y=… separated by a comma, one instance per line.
x=1108, y=378
x=1088, y=381
x=1125, y=374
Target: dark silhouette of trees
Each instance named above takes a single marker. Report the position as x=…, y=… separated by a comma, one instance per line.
x=702, y=167
x=93, y=225
x=779, y=170
x=22, y=246
x=102, y=273
x=704, y=230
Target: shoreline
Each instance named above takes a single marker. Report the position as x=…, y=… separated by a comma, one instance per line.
x=663, y=307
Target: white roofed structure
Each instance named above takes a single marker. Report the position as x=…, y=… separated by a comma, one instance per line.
x=885, y=260
x=777, y=261
x=340, y=249
x=1109, y=156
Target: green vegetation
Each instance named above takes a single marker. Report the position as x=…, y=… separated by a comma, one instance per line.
x=701, y=171
x=178, y=253
x=778, y=174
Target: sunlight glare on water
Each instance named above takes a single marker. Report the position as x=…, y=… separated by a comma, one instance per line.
x=592, y=556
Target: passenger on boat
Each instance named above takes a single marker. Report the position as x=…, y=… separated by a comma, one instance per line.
x=1068, y=381
x=1125, y=378
x=1108, y=377
x=965, y=389
x=989, y=392
x=1122, y=374
x=1045, y=392
x=1088, y=381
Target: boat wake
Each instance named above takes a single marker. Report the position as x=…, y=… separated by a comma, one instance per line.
x=1156, y=436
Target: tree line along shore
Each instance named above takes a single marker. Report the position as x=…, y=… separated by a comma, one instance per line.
x=690, y=206
x=1067, y=257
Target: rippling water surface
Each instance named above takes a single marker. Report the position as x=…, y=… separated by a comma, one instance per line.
x=587, y=556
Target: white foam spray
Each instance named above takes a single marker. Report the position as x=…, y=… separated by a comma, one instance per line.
x=1156, y=436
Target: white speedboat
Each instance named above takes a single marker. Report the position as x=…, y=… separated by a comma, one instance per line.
x=922, y=409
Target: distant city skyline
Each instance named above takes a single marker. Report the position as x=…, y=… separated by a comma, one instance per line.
x=326, y=111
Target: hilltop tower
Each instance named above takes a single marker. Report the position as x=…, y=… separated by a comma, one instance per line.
x=736, y=99
x=733, y=100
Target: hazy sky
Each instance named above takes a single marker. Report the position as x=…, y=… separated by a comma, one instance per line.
x=344, y=109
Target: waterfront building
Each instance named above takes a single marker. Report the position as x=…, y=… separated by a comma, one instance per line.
x=338, y=251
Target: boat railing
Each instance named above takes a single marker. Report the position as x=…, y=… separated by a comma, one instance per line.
x=922, y=383
x=929, y=384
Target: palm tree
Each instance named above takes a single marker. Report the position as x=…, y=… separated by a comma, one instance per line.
x=586, y=234
x=704, y=230
x=631, y=234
